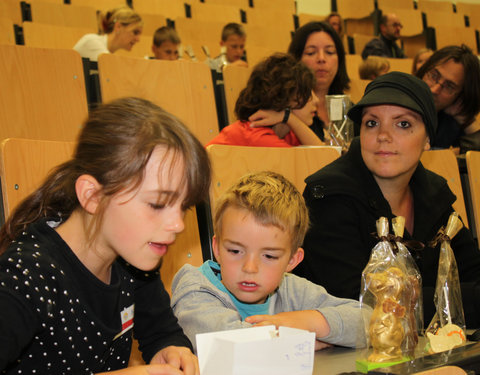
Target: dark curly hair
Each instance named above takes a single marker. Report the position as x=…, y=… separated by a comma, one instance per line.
x=274, y=84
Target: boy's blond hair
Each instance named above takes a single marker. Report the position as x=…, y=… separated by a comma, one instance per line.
x=271, y=199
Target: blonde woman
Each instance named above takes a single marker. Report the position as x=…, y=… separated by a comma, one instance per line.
x=120, y=29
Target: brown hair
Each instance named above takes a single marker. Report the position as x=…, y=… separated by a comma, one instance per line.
x=164, y=34
x=114, y=147
x=232, y=29
x=271, y=199
x=469, y=95
x=123, y=14
x=274, y=83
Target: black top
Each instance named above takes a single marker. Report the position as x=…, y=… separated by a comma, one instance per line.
x=381, y=46
x=344, y=203
x=58, y=318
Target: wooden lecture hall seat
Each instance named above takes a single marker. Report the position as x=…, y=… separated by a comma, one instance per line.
x=473, y=169
x=234, y=80
x=24, y=164
x=42, y=93
x=444, y=162
x=43, y=35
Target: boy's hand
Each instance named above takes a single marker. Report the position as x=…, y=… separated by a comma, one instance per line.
x=179, y=357
x=310, y=320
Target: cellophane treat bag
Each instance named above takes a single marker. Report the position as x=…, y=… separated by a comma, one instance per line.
x=385, y=299
x=447, y=328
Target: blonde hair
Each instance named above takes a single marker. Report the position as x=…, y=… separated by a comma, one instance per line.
x=372, y=66
x=124, y=14
x=271, y=199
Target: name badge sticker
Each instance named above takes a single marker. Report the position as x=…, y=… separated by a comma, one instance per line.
x=126, y=316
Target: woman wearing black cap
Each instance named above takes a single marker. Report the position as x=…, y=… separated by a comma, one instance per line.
x=381, y=175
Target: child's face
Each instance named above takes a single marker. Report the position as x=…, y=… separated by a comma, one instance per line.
x=308, y=111
x=166, y=51
x=253, y=257
x=235, y=47
x=140, y=224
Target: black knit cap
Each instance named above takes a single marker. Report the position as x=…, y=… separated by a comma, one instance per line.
x=400, y=89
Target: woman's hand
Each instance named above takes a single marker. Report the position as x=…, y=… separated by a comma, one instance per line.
x=179, y=357
x=265, y=117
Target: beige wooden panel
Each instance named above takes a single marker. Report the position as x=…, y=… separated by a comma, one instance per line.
x=234, y=80
x=435, y=6
x=353, y=62
x=215, y=12
x=450, y=35
x=275, y=36
x=102, y=5
x=473, y=169
x=64, y=15
x=412, y=44
x=395, y=4
x=24, y=165
x=183, y=88
x=229, y=163
x=267, y=5
x=7, y=33
x=357, y=88
x=359, y=26
x=197, y=33
x=444, y=163
x=276, y=18
x=142, y=49
x=11, y=9
x=401, y=65
x=255, y=54
x=51, y=36
x=168, y=8
x=242, y=4
x=151, y=22
x=42, y=93
x=354, y=8
x=304, y=18
x=440, y=19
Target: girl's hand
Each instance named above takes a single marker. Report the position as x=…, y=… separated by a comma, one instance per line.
x=146, y=370
x=179, y=357
x=264, y=117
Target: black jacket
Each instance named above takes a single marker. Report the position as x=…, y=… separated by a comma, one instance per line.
x=381, y=46
x=345, y=201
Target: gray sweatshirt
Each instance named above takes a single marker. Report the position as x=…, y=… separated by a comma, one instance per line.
x=201, y=307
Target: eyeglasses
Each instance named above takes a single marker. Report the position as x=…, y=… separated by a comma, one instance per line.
x=433, y=77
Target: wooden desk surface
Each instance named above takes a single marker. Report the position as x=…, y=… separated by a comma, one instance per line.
x=339, y=360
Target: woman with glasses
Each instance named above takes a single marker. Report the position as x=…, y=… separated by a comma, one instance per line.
x=453, y=75
x=381, y=175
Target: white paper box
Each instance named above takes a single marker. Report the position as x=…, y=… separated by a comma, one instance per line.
x=256, y=351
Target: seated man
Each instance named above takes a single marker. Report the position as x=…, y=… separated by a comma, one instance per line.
x=453, y=75
x=385, y=45
x=165, y=44
x=259, y=225
x=233, y=47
